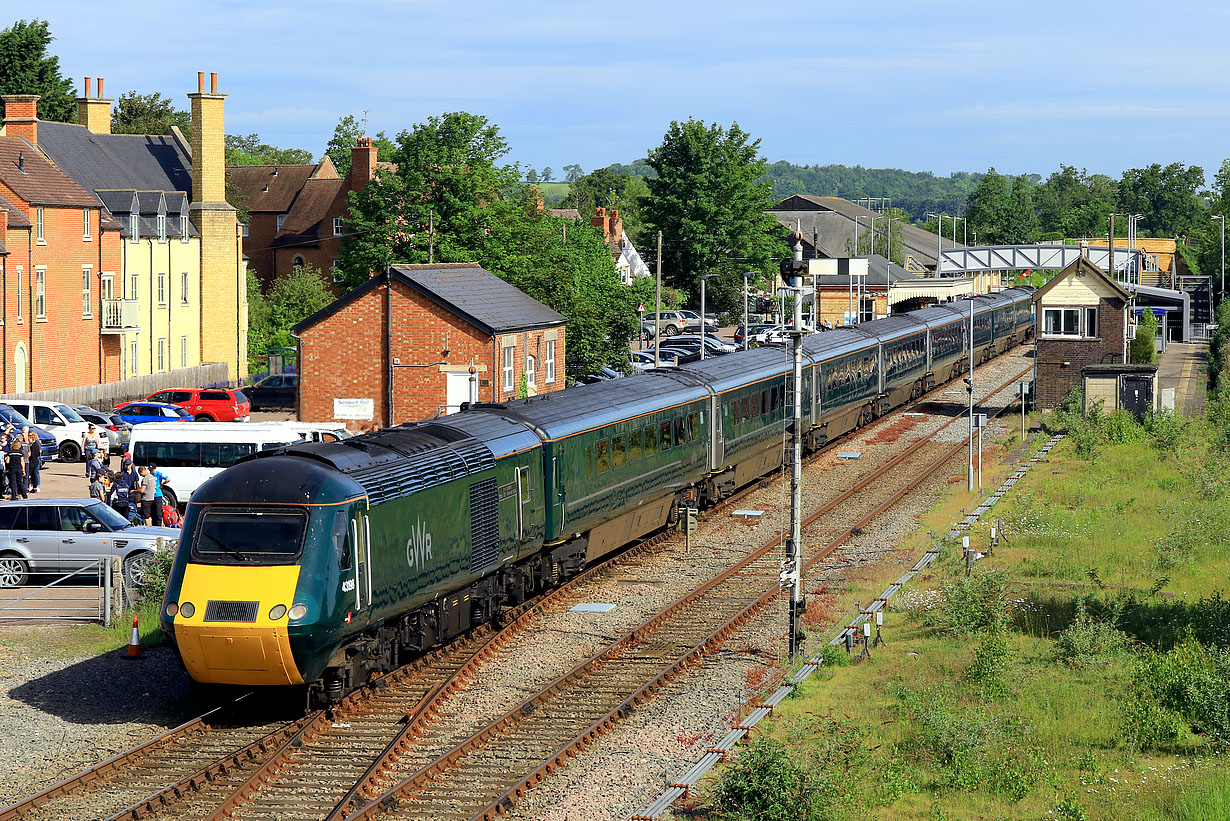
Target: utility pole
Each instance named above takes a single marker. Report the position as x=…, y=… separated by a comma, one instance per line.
x=970, y=387
x=657, y=312
x=431, y=237
x=1110, y=244
x=792, y=569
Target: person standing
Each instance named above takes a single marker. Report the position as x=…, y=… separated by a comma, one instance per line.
x=34, y=458
x=93, y=467
x=98, y=488
x=15, y=467
x=148, y=486
x=159, y=501
x=90, y=445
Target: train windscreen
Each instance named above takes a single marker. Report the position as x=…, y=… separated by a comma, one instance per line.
x=227, y=535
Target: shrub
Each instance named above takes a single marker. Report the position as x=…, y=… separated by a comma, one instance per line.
x=992, y=658
x=154, y=585
x=972, y=603
x=1089, y=640
x=1167, y=431
x=1192, y=680
x=768, y=783
x=1122, y=428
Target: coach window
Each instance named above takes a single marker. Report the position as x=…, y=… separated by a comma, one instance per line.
x=602, y=457
x=651, y=441
x=634, y=445
x=589, y=461
x=764, y=402
x=679, y=432
x=619, y=453
x=693, y=427
x=664, y=437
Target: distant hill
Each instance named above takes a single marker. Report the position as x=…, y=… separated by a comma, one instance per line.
x=917, y=192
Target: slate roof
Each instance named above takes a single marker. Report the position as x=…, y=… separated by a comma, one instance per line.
x=40, y=183
x=833, y=218
x=303, y=223
x=472, y=293
x=879, y=273
x=16, y=219
x=283, y=181
x=117, y=161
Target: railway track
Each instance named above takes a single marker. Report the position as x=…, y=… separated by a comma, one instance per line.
x=204, y=771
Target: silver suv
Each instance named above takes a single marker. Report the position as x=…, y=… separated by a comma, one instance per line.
x=61, y=535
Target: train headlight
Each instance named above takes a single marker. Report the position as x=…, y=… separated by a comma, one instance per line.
x=278, y=611
x=187, y=610
x=171, y=609
x=298, y=611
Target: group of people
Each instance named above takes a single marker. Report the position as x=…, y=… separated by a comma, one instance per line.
x=135, y=493
x=22, y=459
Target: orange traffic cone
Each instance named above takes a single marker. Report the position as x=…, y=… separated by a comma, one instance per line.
x=134, y=642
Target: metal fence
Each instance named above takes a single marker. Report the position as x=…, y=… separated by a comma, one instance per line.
x=86, y=588
x=126, y=390
x=1203, y=332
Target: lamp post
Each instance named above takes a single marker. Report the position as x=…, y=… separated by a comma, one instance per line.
x=1222, y=292
x=746, y=276
x=1133, y=220
x=939, y=239
x=856, y=219
x=954, y=230
x=705, y=278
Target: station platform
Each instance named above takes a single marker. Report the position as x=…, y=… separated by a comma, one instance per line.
x=1184, y=367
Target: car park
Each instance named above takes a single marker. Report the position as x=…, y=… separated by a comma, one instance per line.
x=62, y=535
x=140, y=413
x=208, y=404
x=58, y=419
x=754, y=328
x=643, y=360
x=694, y=323
x=50, y=448
x=685, y=353
x=713, y=344
x=274, y=391
x=110, y=424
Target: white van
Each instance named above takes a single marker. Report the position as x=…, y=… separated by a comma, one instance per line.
x=58, y=419
x=190, y=454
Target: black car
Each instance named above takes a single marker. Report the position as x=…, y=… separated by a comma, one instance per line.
x=684, y=352
x=275, y=391
x=756, y=327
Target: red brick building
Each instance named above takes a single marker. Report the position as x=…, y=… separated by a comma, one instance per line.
x=59, y=257
x=1081, y=320
x=296, y=211
x=414, y=342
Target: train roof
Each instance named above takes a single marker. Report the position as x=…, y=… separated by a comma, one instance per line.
x=837, y=342
x=501, y=434
x=277, y=477
x=895, y=327
x=934, y=316
x=564, y=413
x=733, y=370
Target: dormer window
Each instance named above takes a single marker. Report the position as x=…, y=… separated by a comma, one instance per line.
x=183, y=227
x=281, y=219
x=162, y=227
x=134, y=233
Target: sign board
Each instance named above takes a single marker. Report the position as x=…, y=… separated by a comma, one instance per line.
x=358, y=409
x=640, y=309
x=980, y=420
x=1025, y=388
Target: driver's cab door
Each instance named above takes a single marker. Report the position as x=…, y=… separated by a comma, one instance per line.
x=361, y=559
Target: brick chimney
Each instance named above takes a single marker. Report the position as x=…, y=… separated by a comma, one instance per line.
x=599, y=221
x=208, y=133
x=21, y=116
x=362, y=163
x=615, y=230
x=94, y=112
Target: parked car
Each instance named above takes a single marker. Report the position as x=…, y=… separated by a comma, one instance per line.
x=276, y=391
x=754, y=328
x=112, y=426
x=59, y=535
x=643, y=360
x=208, y=404
x=779, y=333
x=685, y=353
x=58, y=419
x=601, y=375
x=694, y=322
x=713, y=344
x=138, y=413
x=50, y=447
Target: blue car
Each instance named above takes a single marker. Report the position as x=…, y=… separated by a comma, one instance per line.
x=137, y=413
x=47, y=442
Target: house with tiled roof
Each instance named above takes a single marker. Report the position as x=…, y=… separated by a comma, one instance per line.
x=296, y=213
x=58, y=248
x=417, y=341
x=179, y=298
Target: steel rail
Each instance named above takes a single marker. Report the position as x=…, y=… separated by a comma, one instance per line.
x=432, y=771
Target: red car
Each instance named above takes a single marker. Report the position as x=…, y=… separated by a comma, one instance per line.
x=207, y=404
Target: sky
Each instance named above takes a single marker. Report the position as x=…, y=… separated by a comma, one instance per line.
x=940, y=86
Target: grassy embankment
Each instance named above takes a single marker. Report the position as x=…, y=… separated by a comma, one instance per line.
x=1078, y=674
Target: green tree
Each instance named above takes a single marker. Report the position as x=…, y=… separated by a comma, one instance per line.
x=547, y=174
x=1074, y=203
x=249, y=150
x=345, y=135
x=531, y=176
x=572, y=173
x=601, y=188
x=1002, y=212
x=27, y=68
x=137, y=113
x=1021, y=226
x=1169, y=198
x=272, y=315
x=709, y=201
x=1143, y=349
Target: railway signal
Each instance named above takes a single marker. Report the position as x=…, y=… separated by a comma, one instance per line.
x=793, y=275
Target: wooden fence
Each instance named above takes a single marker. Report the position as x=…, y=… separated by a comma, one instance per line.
x=109, y=394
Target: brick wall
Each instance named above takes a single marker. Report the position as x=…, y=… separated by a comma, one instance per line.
x=342, y=356
x=1059, y=361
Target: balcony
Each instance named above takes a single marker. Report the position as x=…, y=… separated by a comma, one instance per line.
x=119, y=316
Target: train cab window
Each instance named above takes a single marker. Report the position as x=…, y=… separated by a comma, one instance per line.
x=664, y=436
x=232, y=535
x=341, y=538
x=619, y=452
x=693, y=427
x=602, y=457
x=634, y=445
x=651, y=441
x=679, y=431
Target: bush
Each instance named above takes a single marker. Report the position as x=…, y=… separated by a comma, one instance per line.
x=1122, y=428
x=154, y=585
x=1089, y=640
x=1193, y=681
x=768, y=783
x=972, y=603
x=1167, y=431
x=1143, y=349
x=992, y=658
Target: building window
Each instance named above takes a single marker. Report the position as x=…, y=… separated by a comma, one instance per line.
x=38, y=224
x=336, y=268
x=183, y=351
x=281, y=219
x=20, y=296
x=1078, y=322
x=162, y=227
x=162, y=287
x=86, y=288
x=297, y=263
x=529, y=371
x=132, y=358
x=162, y=353
x=108, y=286
x=134, y=228
x=40, y=293
x=548, y=361
x=337, y=226
x=183, y=287
x=85, y=228
x=183, y=227
x=510, y=352
x=132, y=286
x=243, y=230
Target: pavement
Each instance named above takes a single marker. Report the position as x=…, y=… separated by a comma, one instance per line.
x=1184, y=367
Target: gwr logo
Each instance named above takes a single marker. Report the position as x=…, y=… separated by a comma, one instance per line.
x=418, y=546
